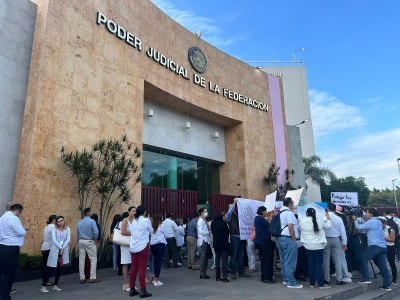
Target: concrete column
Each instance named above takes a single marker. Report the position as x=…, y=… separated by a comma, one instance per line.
x=172, y=182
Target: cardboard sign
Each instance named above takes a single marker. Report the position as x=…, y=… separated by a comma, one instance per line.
x=345, y=199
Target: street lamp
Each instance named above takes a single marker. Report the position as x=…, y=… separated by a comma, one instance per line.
x=302, y=122
x=294, y=55
x=394, y=192
x=398, y=164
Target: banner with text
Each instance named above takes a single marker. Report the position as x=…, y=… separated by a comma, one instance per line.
x=346, y=199
x=247, y=211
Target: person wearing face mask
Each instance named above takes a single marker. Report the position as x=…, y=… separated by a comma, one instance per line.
x=237, y=245
x=203, y=241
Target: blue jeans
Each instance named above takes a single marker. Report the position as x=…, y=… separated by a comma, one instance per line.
x=379, y=255
x=115, y=254
x=288, y=254
x=345, y=270
x=157, y=252
x=315, y=259
x=150, y=263
x=237, y=254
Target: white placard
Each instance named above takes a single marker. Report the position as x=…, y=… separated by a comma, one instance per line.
x=270, y=201
x=320, y=211
x=247, y=211
x=295, y=195
x=346, y=199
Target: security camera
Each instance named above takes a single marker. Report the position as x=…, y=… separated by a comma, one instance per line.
x=198, y=33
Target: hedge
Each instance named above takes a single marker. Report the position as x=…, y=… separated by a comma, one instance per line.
x=30, y=262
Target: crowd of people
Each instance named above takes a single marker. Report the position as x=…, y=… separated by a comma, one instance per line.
x=342, y=244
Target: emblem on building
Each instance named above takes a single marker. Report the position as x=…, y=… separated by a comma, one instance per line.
x=197, y=59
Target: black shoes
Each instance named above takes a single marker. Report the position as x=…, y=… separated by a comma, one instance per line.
x=218, y=279
x=327, y=282
x=205, y=277
x=225, y=280
x=301, y=278
x=341, y=283
x=133, y=292
x=269, y=281
x=144, y=294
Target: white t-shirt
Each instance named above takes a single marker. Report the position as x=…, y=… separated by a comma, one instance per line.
x=159, y=235
x=287, y=217
x=387, y=236
x=140, y=234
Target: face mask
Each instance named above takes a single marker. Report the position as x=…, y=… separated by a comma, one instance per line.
x=205, y=215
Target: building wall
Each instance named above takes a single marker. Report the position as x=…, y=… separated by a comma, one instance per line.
x=17, y=24
x=297, y=108
x=85, y=84
x=166, y=130
x=296, y=157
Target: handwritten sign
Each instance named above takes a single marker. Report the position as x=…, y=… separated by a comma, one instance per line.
x=346, y=199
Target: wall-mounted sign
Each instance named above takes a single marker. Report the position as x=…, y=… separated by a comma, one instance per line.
x=197, y=59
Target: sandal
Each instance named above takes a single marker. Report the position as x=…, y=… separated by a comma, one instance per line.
x=126, y=288
x=148, y=281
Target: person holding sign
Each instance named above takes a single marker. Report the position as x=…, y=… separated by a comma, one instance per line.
x=314, y=240
x=264, y=245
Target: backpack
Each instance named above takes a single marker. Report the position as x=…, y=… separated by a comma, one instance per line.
x=275, y=229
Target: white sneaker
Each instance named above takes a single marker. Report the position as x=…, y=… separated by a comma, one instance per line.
x=346, y=279
x=213, y=267
x=178, y=263
x=157, y=283
x=284, y=282
x=333, y=275
x=44, y=290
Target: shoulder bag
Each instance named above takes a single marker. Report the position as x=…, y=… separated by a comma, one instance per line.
x=119, y=239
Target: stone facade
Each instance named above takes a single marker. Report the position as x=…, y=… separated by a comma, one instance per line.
x=85, y=84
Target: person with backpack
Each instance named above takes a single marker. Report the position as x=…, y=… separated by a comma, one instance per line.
x=390, y=236
x=282, y=227
x=392, y=222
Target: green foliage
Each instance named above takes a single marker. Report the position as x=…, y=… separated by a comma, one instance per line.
x=30, y=262
x=315, y=173
x=272, y=178
x=286, y=184
x=383, y=198
x=349, y=184
x=107, y=251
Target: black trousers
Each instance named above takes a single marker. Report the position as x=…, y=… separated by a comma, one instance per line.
x=9, y=259
x=45, y=268
x=301, y=268
x=221, y=255
x=172, y=248
x=391, y=252
x=266, y=249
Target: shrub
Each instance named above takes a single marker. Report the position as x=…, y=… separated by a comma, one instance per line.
x=30, y=262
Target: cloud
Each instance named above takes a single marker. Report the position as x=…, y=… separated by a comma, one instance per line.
x=372, y=156
x=188, y=19
x=331, y=115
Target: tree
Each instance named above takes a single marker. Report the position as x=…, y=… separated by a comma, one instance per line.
x=272, y=178
x=383, y=198
x=286, y=184
x=348, y=184
x=108, y=173
x=314, y=173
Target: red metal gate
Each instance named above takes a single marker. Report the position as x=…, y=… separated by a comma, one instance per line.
x=177, y=202
x=220, y=202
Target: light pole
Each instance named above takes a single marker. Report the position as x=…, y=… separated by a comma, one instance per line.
x=395, y=199
x=302, y=122
x=294, y=55
x=398, y=164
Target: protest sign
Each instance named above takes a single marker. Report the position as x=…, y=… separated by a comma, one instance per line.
x=270, y=201
x=345, y=199
x=320, y=211
x=247, y=211
x=295, y=195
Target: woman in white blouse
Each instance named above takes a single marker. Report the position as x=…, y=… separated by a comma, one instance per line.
x=314, y=240
x=125, y=252
x=139, y=246
x=180, y=238
x=51, y=223
x=203, y=240
x=59, y=252
x=157, y=245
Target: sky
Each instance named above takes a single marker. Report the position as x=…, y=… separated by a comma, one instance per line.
x=352, y=62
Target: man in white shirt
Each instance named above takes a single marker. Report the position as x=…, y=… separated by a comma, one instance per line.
x=11, y=238
x=337, y=240
x=287, y=244
x=171, y=246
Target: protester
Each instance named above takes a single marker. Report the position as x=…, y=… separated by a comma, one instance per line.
x=314, y=241
x=157, y=246
x=139, y=246
x=376, y=248
x=117, y=218
x=353, y=246
x=287, y=244
x=221, y=245
x=203, y=241
x=191, y=241
x=390, y=237
x=185, y=222
x=264, y=245
x=171, y=248
x=251, y=253
x=179, y=236
x=127, y=217
x=59, y=253
x=48, y=242
x=301, y=267
x=237, y=245
x=11, y=239
x=346, y=275
x=336, y=242
x=86, y=236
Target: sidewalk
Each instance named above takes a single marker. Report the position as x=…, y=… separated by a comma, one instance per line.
x=178, y=284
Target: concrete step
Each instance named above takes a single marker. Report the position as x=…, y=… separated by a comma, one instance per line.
x=379, y=295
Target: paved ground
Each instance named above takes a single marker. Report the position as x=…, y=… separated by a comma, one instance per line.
x=178, y=284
